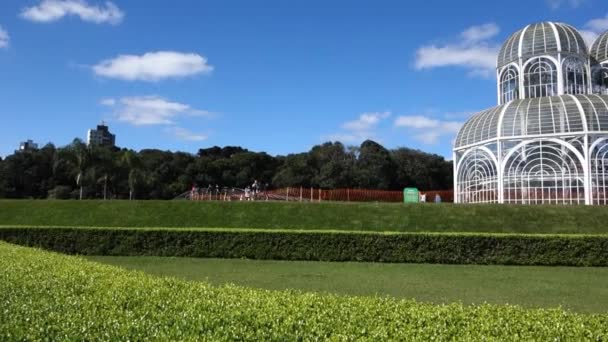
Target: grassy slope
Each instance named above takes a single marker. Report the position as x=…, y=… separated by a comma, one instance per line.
x=578, y=289
x=334, y=216
x=47, y=296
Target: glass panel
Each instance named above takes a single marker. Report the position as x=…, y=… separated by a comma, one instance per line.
x=599, y=172
x=540, y=78
x=527, y=48
x=575, y=76
x=509, y=85
x=543, y=172
x=564, y=39
x=476, y=181
x=600, y=80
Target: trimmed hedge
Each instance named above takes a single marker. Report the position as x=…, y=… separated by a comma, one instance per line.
x=51, y=297
x=563, y=250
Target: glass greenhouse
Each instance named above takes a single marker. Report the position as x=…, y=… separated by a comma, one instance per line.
x=547, y=140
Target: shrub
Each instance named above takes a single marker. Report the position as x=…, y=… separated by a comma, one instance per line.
x=46, y=296
x=453, y=248
x=61, y=192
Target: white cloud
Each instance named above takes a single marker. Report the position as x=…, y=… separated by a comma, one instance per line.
x=108, y=102
x=598, y=25
x=416, y=121
x=476, y=50
x=427, y=130
x=588, y=36
x=479, y=59
x=365, y=121
x=473, y=51
x=153, y=66
x=4, y=38
x=428, y=138
x=150, y=110
x=358, y=130
x=185, y=135
x=593, y=28
x=480, y=33
x=556, y=4
x=459, y=115
x=53, y=10
x=351, y=138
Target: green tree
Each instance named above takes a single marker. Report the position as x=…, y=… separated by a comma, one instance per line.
x=82, y=156
x=333, y=164
x=375, y=167
x=293, y=171
x=422, y=170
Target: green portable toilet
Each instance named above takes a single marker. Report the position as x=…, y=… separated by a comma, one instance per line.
x=411, y=195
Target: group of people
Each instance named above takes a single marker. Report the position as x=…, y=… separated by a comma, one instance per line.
x=423, y=198
x=211, y=192
x=250, y=193
x=253, y=192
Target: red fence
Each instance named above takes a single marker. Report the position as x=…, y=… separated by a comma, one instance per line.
x=352, y=195
x=301, y=194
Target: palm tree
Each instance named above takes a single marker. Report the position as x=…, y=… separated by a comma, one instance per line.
x=82, y=154
x=132, y=163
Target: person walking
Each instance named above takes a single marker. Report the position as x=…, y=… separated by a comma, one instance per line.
x=247, y=193
x=255, y=187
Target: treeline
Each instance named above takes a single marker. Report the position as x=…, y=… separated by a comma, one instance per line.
x=76, y=170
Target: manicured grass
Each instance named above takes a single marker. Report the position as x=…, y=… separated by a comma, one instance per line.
x=309, y=216
x=47, y=296
x=580, y=289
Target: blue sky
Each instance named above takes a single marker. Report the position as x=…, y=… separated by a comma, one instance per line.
x=277, y=76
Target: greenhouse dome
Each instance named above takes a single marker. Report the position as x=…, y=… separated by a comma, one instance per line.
x=547, y=140
x=599, y=49
x=599, y=59
x=544, y=38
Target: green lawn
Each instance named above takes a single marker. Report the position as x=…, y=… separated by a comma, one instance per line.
x=308, y=216
x=579, y=289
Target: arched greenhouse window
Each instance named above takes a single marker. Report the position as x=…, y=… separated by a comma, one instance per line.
x=476, y=179
x=543, y=172
x=600, y=80
x=540, y=78
x=575, y=76
x=599, y=171
x=509, y=85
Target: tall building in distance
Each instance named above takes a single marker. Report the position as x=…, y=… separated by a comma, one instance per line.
x=101, y=136
x=28, y=145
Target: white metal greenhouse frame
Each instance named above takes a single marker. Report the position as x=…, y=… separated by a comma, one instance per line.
x=547, y=141
x=535, y=151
